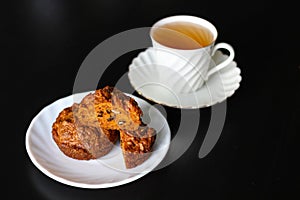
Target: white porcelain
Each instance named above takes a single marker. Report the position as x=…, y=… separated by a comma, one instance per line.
x=192, y=65
x=145, y=77
x=108, y=171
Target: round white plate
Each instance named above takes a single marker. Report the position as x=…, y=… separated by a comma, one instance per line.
x=145, y=77
x=107, y=171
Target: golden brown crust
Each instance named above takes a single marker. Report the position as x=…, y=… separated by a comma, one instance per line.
x=88, y=130
x=137, y=145
x=65, y=135
x=78, y=140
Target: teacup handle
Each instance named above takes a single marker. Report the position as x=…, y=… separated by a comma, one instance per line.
x=225, y=62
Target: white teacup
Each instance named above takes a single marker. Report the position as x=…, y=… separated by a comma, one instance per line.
x=179, y=51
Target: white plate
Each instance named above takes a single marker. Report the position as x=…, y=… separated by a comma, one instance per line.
x=144, y=76
x=108, y=171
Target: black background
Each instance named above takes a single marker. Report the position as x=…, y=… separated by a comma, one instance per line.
x=45, y=41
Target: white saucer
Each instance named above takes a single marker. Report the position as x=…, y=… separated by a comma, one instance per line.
x=145, y=79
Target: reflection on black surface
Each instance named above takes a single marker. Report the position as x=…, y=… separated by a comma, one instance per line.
x=48, y=188
x=52, y=190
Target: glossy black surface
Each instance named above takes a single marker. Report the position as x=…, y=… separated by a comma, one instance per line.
x=256, y=155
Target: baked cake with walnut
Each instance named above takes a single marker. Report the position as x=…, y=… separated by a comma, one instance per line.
x=90, y=129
